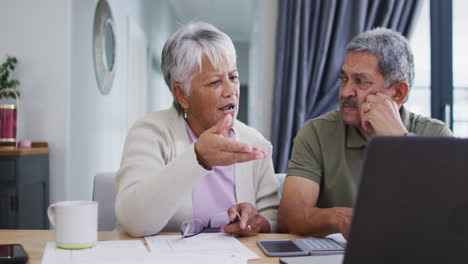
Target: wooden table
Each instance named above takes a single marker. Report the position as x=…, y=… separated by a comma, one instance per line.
x=34, y=242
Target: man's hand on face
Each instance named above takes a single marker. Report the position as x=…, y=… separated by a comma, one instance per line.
x=380, y=115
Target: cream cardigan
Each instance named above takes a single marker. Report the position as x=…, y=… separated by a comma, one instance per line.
x=159, y=168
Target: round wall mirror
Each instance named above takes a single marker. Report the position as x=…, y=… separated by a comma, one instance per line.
x=104, y=47
x=109, y=46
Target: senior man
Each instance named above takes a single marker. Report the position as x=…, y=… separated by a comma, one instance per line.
x=325, y=165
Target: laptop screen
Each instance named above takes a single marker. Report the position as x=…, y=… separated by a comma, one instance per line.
x=412, y=205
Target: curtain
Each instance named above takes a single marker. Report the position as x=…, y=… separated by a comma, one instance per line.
x=310, y=50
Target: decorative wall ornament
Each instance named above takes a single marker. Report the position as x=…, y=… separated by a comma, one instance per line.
x=104, y=47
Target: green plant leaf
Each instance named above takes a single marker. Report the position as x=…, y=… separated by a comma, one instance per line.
x=7, y=66
x=13, y=83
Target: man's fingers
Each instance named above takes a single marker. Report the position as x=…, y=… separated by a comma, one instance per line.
x=371, y=98
x=377, y=98
x=382, y=97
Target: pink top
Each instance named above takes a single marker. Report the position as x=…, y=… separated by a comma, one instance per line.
x=215, y=193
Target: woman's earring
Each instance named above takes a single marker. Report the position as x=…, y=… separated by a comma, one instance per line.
x=185, y=113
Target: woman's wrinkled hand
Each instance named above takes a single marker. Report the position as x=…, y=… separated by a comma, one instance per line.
x=250, y=222
x=213, y=148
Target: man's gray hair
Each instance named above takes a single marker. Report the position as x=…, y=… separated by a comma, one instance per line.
x=181, y=57
x=393, y=51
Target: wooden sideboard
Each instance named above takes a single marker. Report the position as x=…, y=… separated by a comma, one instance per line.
x=24, y=187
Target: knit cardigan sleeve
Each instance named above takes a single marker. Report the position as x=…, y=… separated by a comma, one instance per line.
x=266, y=185
x=148, y=185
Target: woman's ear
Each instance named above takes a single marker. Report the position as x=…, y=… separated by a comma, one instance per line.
x=180, y=95
x=400, y=91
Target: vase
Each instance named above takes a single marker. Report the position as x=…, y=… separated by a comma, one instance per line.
x=8, y=121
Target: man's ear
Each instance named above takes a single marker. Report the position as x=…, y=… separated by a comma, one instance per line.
x=400, y=91
x=180, y=95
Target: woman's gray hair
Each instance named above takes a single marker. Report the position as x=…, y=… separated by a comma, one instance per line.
x=393, y=51
x=181, y=57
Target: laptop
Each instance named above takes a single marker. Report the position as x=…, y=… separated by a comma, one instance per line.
x=412, y=205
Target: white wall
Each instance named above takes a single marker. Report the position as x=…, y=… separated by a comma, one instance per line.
x=99, y=123
x=160, y=24
x=262, y=66
x=38, y=34
x=242, y=50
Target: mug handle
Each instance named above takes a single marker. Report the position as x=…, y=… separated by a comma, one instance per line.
x=51, y=214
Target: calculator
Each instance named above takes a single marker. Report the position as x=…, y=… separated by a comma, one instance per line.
x=300, y=247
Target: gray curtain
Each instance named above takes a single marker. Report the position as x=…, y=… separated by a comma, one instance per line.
x=310, y=48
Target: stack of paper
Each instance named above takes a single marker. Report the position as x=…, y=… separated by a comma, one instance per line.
x=122, y=251
x=203, y=248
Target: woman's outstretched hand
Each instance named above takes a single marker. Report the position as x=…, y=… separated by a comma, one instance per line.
x=213, y=148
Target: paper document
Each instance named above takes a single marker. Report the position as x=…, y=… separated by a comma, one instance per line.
x=201, y=249
x=209, y=244
x=122, y=251
x=197, y=259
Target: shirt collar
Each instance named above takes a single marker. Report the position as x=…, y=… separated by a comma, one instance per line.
x=193, y=138
x=405, y=117
x=353, y=136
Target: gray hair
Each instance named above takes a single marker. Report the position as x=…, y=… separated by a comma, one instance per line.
x=392, y=49
x=181, y=57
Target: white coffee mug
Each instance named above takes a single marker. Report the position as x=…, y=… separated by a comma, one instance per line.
x=75, y=223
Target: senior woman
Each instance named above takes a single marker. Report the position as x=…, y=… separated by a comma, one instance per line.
x=195, y=160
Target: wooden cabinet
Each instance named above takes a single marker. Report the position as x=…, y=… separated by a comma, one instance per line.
x=24, y=187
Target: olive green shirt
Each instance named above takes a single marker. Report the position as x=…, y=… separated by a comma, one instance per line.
x=330, y=152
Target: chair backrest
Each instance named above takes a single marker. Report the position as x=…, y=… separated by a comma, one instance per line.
x=281, y=177
x=104, y=194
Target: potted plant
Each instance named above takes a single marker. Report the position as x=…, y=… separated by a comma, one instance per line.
x=8, y=112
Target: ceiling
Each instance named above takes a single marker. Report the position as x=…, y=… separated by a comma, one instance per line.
x=234, y=17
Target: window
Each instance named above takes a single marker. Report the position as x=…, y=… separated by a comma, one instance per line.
x=420, y=96
x=460, y=66
x=419, y=100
